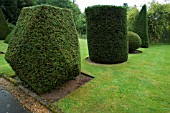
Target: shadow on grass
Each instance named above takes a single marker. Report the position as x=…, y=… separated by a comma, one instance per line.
x=2, y=52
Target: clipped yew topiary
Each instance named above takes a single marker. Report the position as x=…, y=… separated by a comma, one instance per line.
x=134, y=41
x=141, y=26
x=107, y=34
x=44, y=50
x=4, y=29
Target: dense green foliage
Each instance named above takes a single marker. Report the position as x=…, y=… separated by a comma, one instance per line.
x=159, y=22
x=81, y=24
x=134, y=41
x=141, y=26
x=132, y=13
x=12, y=8
x=77, y=15
x=4, y=29
x=44, y=50
x=107, y=34
x=11, y=26
x=9, y=36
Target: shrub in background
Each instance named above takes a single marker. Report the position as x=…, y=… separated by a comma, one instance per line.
x=134, y=41
x=141, y=26
x=9, y=36
x=4, y=29
x=107, y=34
x=44, y=50
x=11, y=26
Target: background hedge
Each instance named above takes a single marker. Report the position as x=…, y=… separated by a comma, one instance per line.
x=4, y=29
x=107, y=34
x=44, y=50
x=141, y=26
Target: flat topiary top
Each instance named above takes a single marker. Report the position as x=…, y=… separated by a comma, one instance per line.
x=44, y=50
x=103, y=6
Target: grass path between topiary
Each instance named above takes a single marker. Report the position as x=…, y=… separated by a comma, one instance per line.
x=139, y=85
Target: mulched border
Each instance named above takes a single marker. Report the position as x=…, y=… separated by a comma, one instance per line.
x=135, y=52
x=47, y=103
x=26, y=100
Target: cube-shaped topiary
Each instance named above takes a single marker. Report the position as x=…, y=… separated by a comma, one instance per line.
x=44, y=50
x=4, y=29
x=107, y=34
x=134, y=41
x=141, y=26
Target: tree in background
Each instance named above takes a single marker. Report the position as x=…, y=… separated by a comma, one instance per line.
x=132, y=13
x=4, y=29
x=9, y=8
x=12, y=8
x=141, y=26
x=81, y=24
x=37, y=2
x=159, y=22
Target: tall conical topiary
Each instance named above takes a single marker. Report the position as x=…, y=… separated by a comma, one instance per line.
x=141, y=26
x=4, y=29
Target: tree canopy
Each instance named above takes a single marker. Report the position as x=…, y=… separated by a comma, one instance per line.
x=132, y=12
x=12, y=8
x=159, y=22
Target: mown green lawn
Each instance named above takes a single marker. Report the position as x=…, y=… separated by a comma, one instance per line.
x=140, y=85
x=4, y=66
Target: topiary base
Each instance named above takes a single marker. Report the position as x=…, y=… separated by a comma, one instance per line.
x=135, y=52
x=91, y=61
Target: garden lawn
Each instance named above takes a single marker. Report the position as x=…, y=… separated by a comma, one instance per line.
x=140, y=85
x=4, y=66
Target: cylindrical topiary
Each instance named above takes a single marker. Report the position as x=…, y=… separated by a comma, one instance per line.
x=134, y=41
x=107, y=34
x=44, y=50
